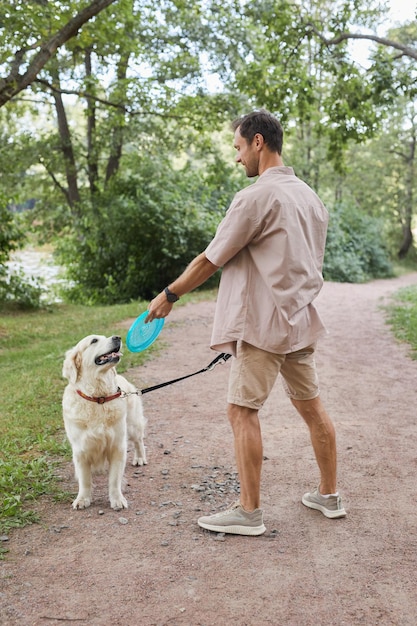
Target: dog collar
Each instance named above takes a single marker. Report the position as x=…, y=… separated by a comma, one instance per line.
x=100, y=399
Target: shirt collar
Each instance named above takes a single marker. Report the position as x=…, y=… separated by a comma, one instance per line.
x=278, y=169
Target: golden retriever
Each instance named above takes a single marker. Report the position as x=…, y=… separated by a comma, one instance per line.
x=99, y=417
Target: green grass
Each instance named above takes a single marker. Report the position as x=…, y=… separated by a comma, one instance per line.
x=32, y=437
x=402, y=317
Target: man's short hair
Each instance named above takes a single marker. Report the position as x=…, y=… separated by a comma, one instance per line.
x=265, y=124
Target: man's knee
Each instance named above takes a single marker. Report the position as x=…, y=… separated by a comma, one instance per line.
x=313, y=411
x=315, y=416
x=239, y=415
x=309, y=408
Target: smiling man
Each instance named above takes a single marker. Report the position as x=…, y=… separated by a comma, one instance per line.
x=271, y=247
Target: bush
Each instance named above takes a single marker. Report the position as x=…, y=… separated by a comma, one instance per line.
x=355, y=247
x=16, y=290
x=140, y=235
x=11, y=234
x=19, y=291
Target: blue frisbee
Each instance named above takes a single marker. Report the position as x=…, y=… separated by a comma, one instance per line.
x=140, y=335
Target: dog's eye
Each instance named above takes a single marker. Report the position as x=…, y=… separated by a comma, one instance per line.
x=94, y=340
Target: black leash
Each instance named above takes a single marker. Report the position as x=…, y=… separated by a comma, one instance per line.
x=221, y=358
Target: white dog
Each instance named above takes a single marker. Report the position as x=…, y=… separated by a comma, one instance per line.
x=99, y=418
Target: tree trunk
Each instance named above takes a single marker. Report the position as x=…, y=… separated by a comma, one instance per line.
x=92, y=164
x=407, y=241
x=73, y=194
x=117, y=139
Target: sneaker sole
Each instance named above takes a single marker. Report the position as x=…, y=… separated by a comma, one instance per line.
x=326, y=512
x=249, y=531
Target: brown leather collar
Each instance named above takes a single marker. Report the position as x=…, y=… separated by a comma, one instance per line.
x=100, y=399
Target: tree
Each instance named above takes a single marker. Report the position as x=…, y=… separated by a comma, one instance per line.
x=25, y=63
x=124, y=90
x=132, y=84
x=130, y=79
x=380, y=177
x=295, y=59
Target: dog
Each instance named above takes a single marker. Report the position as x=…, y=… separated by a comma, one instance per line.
x=99, y=417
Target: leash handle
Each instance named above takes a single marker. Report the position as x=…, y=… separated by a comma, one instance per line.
x=223, y=357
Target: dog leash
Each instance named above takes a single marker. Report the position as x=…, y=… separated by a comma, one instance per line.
x=221, y=358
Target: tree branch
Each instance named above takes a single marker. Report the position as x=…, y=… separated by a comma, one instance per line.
x=15, y=82
x=109, y=103
x=54, y=179
x=383, y=41
x=402, y=155
x=80, y=94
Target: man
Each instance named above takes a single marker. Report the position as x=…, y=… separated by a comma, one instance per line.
x=271, y=246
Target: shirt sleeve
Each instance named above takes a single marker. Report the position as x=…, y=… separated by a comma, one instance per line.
x=239, y=226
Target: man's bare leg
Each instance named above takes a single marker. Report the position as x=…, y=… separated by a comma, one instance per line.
x=323, y=438
x=248, y=453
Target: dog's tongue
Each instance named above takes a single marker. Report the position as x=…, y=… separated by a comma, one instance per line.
x=109, y=356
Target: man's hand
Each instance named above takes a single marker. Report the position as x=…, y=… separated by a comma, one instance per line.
x=158, y=307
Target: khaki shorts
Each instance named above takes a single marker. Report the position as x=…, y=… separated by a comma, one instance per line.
x=254, y=372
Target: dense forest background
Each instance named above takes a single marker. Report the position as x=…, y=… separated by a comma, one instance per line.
x=115, y=140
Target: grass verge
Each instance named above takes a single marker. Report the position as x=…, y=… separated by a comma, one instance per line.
x=402, y=317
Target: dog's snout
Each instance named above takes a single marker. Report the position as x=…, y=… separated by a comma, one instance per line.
x=117, y=343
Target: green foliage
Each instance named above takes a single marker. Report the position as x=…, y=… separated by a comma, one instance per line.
x=402, y=316
x=355, y=250
x=17, y=291
x=144, y=232
x=284, y=62
x=30, y=34
x=380, y=178
x=72, y=153
x=11, y=234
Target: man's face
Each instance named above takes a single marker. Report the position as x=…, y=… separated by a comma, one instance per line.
x=247, y=154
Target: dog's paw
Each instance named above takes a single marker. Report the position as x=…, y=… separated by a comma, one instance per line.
x=118, y=503
x=138, y=461
x=81, y=503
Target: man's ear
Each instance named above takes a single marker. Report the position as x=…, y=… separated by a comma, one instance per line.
x=259, y=141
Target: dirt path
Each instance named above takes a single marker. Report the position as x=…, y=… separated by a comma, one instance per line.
x=152, y=565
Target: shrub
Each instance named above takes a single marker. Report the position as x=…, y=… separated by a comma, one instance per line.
x=16, y=290
x=355, y=247
x=140, y=235
x=19, y=291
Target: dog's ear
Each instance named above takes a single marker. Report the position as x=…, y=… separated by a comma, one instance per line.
x=72, y=365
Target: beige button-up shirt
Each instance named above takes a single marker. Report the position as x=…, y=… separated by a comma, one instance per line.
x=271, y=247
